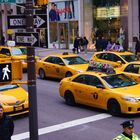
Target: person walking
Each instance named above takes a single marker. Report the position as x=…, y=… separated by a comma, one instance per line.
x=2, y=40
x=76, y=44
x=6, y=125
x=137, y=47
x=85, y=43
x=128, y=132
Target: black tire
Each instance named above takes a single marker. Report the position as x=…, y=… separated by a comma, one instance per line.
x=42, y=74
x=69, y=99
x=68, y=74
x=114, y=108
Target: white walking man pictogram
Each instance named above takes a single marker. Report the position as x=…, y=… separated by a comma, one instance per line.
x=5, y=71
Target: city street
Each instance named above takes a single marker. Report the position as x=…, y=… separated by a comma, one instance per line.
x=56, y=120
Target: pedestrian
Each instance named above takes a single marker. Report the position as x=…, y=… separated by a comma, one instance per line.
x=137, y=47
x=128, y=131
x=85, y=43
x=2, y=40
x=76, y=44
x=99, y=44
x=6, y=125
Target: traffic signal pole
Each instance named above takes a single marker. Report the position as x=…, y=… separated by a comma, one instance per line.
x=33, y=119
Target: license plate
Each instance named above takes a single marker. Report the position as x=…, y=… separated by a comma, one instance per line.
x=18, y=108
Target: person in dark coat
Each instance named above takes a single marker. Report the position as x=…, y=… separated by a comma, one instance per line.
x=76, y=44
x=85, y=43
x=2, y=40
x=6, y=125
x=99, y=44
x=137, y=47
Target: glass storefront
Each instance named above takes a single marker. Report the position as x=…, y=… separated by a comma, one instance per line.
x=63, y=23
x=106, y=19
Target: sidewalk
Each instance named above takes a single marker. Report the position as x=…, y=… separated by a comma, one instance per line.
x=42, y=52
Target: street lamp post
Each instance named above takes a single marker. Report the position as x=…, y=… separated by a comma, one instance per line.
x=33, y=119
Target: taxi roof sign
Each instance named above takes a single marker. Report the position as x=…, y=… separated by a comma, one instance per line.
x=11, y=43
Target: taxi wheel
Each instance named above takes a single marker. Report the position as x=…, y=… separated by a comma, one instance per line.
x=41, y=74
x=69, y=98
x=68, y=74
x=114, y=108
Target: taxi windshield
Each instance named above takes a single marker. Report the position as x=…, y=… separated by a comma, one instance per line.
x=24, y=51
x=17, y=51
x=118, y=80
x=7, y=87
x=74, y=60
x=129, y=58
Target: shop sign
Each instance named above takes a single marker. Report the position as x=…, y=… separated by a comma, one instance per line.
x=108, y=12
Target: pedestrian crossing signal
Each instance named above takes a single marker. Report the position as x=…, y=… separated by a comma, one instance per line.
x=10, y=71
x=5, y=72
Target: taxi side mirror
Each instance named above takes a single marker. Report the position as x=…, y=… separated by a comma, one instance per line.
x=119, y=62
x=62, y=64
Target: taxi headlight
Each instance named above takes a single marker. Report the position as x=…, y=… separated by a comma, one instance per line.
x=130, y=99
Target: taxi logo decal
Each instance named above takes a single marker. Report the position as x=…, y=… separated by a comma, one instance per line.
x=95, y=96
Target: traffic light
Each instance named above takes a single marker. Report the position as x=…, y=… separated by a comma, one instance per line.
x=41, y=2
x=10, y=70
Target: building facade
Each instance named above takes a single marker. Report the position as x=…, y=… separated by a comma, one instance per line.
x=117, y=20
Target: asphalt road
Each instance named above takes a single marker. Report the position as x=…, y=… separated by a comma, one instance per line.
x=58, y=121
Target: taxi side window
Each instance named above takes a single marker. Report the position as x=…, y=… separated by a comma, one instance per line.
x=5, y=51
x=58, y=61
x=49, y=59
x=132, y=68
x=95, y=81
x=81, y=79
x=102, y=56
x=114, y=58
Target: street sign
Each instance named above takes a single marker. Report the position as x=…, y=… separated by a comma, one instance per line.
x=7, y=1
x=19, y=21
x=27, y=39
x=5, y=72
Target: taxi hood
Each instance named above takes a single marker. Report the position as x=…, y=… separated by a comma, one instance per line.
x=132, y=91
x=11, y=100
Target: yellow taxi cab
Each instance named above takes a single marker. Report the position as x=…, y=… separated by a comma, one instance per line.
x=14, y=99
x=116, y=93
x=16, y=53
x=61, y=65
x=131, y=69
x=116, y=59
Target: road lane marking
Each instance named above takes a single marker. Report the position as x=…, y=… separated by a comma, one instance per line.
x=62, y=126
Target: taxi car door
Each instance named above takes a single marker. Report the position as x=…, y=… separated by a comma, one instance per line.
x=133, y=71
x=59, y=68
x=97, y=94
x=81, y=89
x=48, y=65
